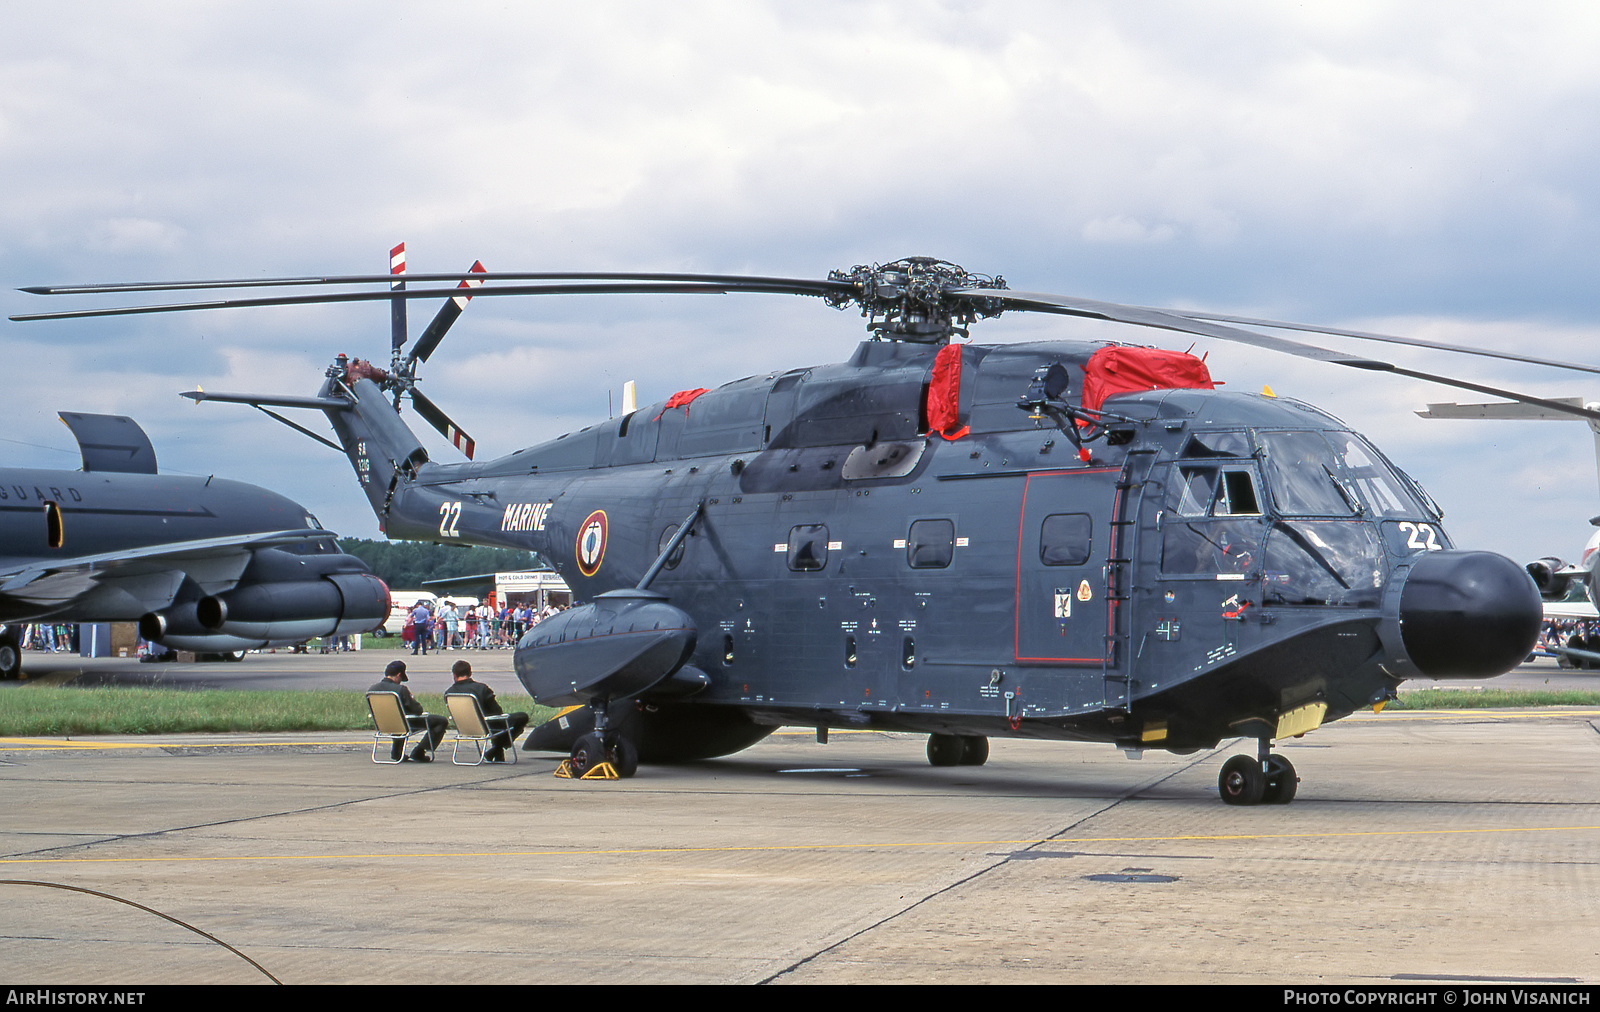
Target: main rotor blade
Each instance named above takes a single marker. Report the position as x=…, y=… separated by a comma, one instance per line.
x=623, y=288
x=798, y=286
x=1364, y=335
x=448, y=314
x=1145, y=317
x=438, y=419
x=1067, y=305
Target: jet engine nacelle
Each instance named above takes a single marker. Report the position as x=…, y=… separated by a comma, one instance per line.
x=335, y=605
x=1547, y=576
x=281, y=598
x=616, y=647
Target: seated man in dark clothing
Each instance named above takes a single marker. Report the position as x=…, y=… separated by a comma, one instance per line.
x=513, y=723
x=393, y=675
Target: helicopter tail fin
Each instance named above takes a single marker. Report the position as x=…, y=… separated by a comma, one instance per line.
x=381, y=448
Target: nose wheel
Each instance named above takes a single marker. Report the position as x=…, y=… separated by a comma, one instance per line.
x=601, y=754
x=1267, y=780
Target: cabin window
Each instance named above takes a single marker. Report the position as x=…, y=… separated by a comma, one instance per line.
x=1065, y=539
x=931, y=544
x=808, y=548
x=55, y=534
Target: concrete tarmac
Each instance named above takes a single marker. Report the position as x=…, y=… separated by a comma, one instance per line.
x=1423, y=847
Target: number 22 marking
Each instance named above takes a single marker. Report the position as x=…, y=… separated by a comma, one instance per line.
x=1418, y=533
x=450, y=519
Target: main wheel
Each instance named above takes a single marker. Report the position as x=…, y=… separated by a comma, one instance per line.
x=1281, y=781
x=624, y=757
x=974, y=750
x=945, y=749
x=10, y=653
x=588, y=752
x=1242, y=782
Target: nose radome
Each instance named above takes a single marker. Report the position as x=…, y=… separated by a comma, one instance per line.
x=1468, y=614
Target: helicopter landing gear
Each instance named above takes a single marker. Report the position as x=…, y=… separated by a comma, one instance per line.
x=1269, y=779
x=593, y=759
x=1281, y=781
x=600, y=748
x=957, y=749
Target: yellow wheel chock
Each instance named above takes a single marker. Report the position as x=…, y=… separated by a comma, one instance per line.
x=600, y=771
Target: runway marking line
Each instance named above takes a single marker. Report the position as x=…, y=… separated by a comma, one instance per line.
x=815, y=847
x=54, y=745
x=57, y=745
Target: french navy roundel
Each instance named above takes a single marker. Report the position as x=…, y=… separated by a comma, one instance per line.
x=591, y=548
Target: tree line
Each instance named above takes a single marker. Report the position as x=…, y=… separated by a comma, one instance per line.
x=410, y=564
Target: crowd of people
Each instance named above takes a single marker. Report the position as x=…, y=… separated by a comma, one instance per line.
x=62, y=637
x=1574, y=634
x=470, y=627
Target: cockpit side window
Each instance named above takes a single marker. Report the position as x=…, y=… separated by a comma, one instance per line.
x=1191, y=490
x=1213, y=490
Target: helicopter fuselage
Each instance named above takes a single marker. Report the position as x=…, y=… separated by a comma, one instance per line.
x=1213, y=565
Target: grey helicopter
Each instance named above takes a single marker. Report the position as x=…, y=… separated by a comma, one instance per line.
x=1068, y=540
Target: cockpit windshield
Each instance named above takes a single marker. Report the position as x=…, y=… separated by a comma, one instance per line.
x=1333, y=474
x=1297, y=513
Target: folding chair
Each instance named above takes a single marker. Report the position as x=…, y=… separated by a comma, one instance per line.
x=394, y=727
x=473, y=726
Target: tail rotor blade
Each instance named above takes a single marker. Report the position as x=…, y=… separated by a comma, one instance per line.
x=452, y=308
x=397, y=307
x=438, y=419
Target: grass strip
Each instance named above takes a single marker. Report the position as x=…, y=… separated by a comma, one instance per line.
x=1498, y=699
x=31, y=711
x=35, y=711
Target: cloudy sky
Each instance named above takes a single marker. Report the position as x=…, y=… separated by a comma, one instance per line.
x=1418, y=168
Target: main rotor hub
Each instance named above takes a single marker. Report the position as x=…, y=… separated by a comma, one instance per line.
x=917, y=299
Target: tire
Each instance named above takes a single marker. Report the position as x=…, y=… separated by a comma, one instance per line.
x=1282, y=783
x=1241, y=781
x=974, y=750
x=624, y=757
x=945, y=749
x=588, y=752
x=10, y=654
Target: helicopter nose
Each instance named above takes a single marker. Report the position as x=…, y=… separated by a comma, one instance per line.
x=1468, y=614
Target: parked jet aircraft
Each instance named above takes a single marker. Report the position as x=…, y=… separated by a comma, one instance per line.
x=202, y=564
